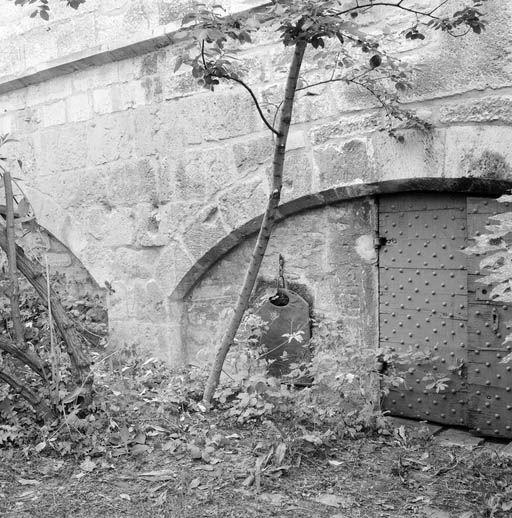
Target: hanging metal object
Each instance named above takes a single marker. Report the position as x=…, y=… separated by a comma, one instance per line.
x=286, y=341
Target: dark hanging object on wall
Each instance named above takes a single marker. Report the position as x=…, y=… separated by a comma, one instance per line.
x=286, y=341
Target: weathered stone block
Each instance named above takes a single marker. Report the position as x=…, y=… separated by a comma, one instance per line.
x=61, y=186
x=173, y=263
x=95, y=77
x=102, y=100
x=131, y=182
x=250, y=154
x=344, y=127
x=93, y=186
x=297, y=175
x=146, y=126
x=114, y=227
x=110, y=138
x=129, y=95
x=420, y=155
x=342, y=163
x=475, y=62
x=142, y=338
x=134, y=264
x=26, y=120
x=53, y=114
x=482, y=151
x=166, y=180
x=487, y=109
x=205, y=172
x=243, y=202
x=206, y=230
x=217, y=116
x=62, y=148
x=78, y=107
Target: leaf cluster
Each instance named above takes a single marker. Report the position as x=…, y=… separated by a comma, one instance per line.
x=43, y=8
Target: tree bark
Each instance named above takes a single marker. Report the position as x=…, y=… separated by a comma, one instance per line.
x=37, y=403
x=14, y=294
x=266, y=225
x=28, y=357
x=65, y=325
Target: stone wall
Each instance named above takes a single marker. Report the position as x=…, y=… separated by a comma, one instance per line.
x=141, y=174
x=329, y=260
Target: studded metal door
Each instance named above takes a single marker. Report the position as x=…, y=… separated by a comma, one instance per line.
x=423, y=303
x=489, y=380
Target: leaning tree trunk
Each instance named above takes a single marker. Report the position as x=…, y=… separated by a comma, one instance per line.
x=266, y=225
x=65, y=325
x=19, y=334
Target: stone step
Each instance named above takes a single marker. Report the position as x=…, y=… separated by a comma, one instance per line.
x=455, y=437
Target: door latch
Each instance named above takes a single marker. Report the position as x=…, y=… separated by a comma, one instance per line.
x=379, y=241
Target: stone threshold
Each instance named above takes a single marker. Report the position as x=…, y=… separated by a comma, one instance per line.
x=454, y=437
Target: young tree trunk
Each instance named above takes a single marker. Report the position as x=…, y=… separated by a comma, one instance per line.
x=19, y=333
x=266, y=225
x=37, y=403
x=65, y=325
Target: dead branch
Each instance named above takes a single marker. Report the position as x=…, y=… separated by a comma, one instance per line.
x=72, y=338
x=37, y=402
x=14, y=294
x=27, y=356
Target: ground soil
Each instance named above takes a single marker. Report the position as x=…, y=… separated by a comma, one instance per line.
x=404, y=474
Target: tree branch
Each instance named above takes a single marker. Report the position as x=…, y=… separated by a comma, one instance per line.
x=65, y=325
x=28, y=357
x=254, y=98
x=240, y=82
x=389, y=4
x=11, y=262
x=41, y=408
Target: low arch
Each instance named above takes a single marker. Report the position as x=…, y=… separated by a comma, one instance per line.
x=475, y=186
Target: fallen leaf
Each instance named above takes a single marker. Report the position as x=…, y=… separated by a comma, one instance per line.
x=195, y=483
x=313, y=439
x=40, y=446
x=28, y=482
x=273, y=498
x=335, y=463
x=88, y=465
x=195, y=451
x=124, y=496
x=334, y=500
x=29, y=494
x=139, y=448
x=279, y=454
x=162, y=474
x=171, y=445
x=507, y=506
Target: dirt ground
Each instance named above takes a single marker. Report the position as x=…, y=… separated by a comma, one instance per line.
x=405, y=474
